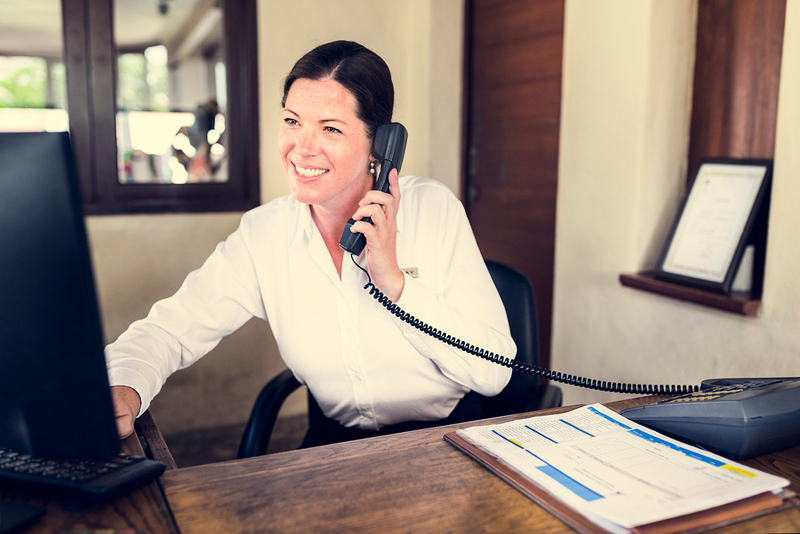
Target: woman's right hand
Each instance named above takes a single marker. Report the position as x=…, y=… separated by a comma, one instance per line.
x=381, y=237
x=126, y=407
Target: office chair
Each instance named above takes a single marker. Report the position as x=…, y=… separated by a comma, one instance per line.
x=523, y=393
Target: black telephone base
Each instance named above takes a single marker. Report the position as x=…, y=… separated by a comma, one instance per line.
x=735, y=417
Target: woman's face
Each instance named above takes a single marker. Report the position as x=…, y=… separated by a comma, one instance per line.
x=324, y=146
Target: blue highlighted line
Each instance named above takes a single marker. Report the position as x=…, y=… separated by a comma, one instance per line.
x=697, y=456
x=604, y=416
x=585, y=493
x=654, y=439
x=508, y=439
x=576, y=428
x=540, y=434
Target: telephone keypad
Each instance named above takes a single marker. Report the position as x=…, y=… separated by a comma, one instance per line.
x=716, y=391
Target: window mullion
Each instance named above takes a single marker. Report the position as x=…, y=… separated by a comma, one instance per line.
x=76, y=53
x=102, y=55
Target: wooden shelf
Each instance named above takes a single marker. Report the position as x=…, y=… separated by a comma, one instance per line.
x=739, y=302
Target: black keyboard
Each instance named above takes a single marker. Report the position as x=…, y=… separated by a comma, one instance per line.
x=82, y=480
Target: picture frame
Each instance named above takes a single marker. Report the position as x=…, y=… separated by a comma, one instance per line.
x=711, y=230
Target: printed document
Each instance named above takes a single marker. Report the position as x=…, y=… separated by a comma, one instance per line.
x=616, y=472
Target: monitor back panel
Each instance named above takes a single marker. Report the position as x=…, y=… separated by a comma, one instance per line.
x=54, y=396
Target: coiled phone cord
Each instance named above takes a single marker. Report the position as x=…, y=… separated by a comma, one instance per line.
x=516, y=365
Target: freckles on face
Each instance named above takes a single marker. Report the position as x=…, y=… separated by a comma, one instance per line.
x=323, y=144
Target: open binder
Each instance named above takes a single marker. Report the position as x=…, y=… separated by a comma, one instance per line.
x=498, y=455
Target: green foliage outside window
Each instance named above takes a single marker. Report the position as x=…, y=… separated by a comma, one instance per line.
x=143, y=80
x=23, y=82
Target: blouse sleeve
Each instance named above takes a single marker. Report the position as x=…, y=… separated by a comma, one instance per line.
x=458, y=298
x=212, y=302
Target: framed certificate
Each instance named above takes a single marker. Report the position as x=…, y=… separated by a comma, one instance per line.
x=711, y=230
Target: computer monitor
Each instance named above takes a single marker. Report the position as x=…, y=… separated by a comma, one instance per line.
x=55, y=400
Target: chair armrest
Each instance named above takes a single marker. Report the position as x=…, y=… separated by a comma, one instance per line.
x=544, y=396
x=152, y=441
x=255, y=438
x=552, y=397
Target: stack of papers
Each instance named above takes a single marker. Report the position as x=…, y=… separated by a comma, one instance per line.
x=617, y=474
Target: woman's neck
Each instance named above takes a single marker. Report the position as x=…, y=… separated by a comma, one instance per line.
x=331, y=219
x=330, y=226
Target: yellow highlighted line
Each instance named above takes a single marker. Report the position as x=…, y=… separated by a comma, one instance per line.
x=739, y=471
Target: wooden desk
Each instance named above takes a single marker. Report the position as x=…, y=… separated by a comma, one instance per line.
x=142, y=510
x=412, y=482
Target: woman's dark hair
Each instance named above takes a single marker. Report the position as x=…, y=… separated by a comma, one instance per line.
x=360, y=70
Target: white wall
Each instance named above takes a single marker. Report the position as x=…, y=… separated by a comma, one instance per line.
x=141, y=258
x=625, y=114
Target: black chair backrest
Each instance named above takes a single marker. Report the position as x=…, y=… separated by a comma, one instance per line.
x=518, y=298
x=522, y=394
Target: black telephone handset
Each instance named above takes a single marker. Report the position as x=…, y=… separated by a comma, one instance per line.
x=388, y=148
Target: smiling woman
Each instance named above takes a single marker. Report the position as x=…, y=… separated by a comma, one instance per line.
x=161, y=94
x=364, y=368
x=322, y=135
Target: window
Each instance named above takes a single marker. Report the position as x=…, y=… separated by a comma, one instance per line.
x=161, y=95
x=32, y=78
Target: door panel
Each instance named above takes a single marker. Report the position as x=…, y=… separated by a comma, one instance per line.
x=514, y=99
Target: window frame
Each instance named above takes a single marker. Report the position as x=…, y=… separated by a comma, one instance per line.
x=90, y=58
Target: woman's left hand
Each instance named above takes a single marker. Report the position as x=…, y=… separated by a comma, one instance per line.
x=382, y=237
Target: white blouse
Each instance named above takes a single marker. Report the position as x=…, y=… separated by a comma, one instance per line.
x=364, y=366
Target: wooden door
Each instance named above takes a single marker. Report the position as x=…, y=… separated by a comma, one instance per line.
x=514, y=54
